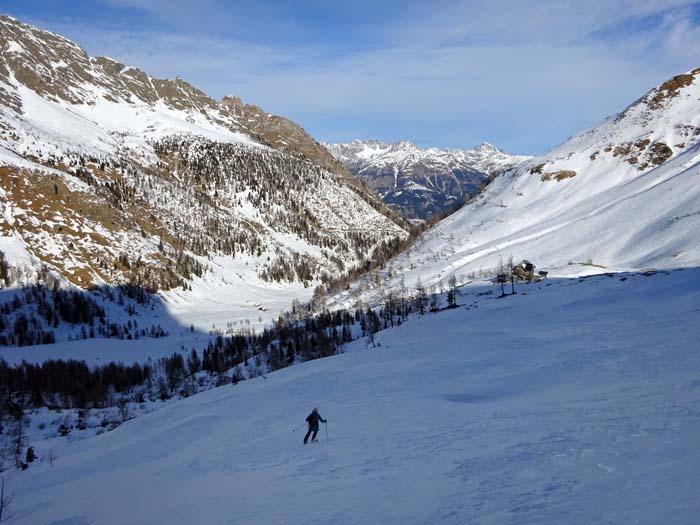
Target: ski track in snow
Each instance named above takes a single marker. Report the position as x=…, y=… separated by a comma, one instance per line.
x=575, y=401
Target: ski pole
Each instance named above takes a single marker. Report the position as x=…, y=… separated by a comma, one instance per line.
x=298, y=427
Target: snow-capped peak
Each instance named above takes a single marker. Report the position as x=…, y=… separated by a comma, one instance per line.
x=420, y=182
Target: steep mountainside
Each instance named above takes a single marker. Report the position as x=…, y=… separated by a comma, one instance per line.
x=422, y=182
x=621, y=195
x=110, y=176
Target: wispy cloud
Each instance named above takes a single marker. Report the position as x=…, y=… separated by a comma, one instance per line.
x=523, y=75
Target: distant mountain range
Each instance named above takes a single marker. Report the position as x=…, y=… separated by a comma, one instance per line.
x=421, y=182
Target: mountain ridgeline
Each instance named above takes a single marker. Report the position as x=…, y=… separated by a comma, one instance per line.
x=111, y=176
x=622, y=195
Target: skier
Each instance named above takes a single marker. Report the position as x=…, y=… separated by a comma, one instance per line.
x=313, y=419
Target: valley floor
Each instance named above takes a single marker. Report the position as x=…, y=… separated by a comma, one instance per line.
x=576, y=401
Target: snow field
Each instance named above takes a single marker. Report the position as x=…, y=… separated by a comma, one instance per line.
x=619, y=211
x=572, y=402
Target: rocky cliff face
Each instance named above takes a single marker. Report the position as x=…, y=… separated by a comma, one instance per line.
x=653, y=130
x=422, y=182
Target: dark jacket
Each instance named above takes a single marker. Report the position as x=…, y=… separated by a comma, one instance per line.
x=313, y=419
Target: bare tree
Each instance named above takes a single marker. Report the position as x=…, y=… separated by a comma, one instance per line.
x=51, y=456
x=452, y=292
x=5, y=501
x=421, y=297
x=434, y=301
x=389, y=307
x=404, y=293
x=124, y=410
x=19, y=443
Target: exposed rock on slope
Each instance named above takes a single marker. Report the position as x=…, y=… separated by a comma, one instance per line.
x=110, y=175
x=280, y=133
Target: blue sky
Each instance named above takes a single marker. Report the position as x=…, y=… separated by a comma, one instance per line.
x=524, y=75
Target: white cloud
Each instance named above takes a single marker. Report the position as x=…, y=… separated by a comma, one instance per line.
x=523, y=74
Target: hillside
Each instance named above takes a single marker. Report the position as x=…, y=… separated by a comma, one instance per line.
x=110, y=177
x=422, y=182
x=622, y=195
x=570, y=403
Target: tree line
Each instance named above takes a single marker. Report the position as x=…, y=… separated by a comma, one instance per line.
x=32, y=314
x=297, y=336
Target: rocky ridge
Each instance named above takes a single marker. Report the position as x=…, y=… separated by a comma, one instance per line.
x=110, y=176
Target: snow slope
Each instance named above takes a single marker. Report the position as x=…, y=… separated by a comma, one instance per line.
x=575, y=402
x=622, y=195
x=59, y=99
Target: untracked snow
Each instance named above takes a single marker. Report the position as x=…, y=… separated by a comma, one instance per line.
x=622, y=195
x=573, y=402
